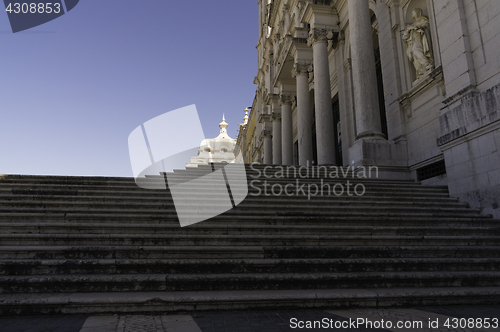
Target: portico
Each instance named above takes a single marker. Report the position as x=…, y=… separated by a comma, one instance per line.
x=392, y=84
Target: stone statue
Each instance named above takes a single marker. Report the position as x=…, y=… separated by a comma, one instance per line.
x=418, y=43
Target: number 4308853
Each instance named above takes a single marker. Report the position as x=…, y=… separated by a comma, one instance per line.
x=33, y=8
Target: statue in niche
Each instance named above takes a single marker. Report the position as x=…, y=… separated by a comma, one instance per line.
x=418, y=43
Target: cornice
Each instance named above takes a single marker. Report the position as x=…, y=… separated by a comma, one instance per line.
x=424, y=83
x=390, y=3
x=312, y=9
x=462, y=135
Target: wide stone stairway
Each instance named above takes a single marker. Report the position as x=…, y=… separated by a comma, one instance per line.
x=104, y=245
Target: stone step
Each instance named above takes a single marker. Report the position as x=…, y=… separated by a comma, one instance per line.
x=130, y=252
x=311, y=172
x=133, y=197
x=25, y=267
x=241, y=229
x=382, y=194
x=272, y=202
x=167, y=302
x=30, y=188
x=73, y=190
x=243, y=252
x=289, y=170
x=238, y=177
x=243, y=281
x=281, y=218
x=237, y=240
x=254, y=209
x=85, y=235
x=250, y=174
x=257, y=183
x=326, y=280
x=231, y=222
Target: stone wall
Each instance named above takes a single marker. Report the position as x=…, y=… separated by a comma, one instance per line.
x=471, y=146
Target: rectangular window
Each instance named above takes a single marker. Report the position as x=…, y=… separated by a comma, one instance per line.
x=431, y=170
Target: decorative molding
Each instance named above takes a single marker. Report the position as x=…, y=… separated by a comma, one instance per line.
x=340, y=40
x=333, y=80
x=465, y=92
x=263, y=134
x=461, y=135
x=285, y=9
x=282, y=54
x=406, y=103
x=391, y=3
x=276, y=38
x=263, y=118
x=435, y=76
x=348, y=64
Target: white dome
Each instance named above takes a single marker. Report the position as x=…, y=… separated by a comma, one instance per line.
x=216, y=150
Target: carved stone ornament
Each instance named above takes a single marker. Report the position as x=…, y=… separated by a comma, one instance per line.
x=286, y=8
x=318, y=35
x=286, y=99
x=406, y=103
x=301, y=68
x=417, y=38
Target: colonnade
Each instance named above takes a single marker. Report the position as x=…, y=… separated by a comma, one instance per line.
x=278, y=144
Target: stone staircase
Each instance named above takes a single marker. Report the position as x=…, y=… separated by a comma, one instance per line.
x=103, y=245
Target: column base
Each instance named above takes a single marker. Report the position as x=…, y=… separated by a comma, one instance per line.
x=371, y=135
x=391, y=159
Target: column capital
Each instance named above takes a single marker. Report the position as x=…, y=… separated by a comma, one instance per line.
x=285, y=9
x=276, y=39
x=319, y=36
x=263, y=118
x=286, y=98
x=274, y=98
x=266, y=134
x=302, y=68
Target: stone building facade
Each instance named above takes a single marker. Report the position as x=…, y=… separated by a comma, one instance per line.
x=411, y=86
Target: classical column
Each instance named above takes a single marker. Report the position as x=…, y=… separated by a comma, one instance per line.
x=276, y=115
x=286, y=130
x=268, y=148
x=304, y=114
x=325, y=134
x=363, y=71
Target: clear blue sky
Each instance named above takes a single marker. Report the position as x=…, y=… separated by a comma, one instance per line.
x=73, y=89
